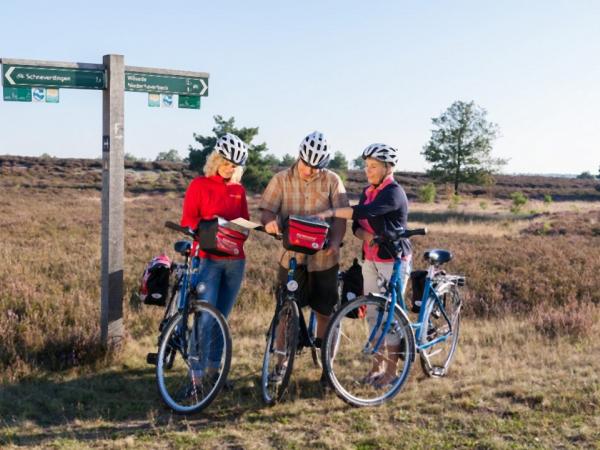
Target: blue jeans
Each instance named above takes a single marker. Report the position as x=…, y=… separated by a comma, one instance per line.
x=223, y=279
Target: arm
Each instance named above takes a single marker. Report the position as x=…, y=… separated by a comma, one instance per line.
x=270, y=205
x=269, y=220
x=191, y=213
x=245, y=213
x=388, y=200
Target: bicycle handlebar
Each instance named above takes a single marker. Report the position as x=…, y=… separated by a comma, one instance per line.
x=185, y=230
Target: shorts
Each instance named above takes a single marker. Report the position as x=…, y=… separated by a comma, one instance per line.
x=319, y=290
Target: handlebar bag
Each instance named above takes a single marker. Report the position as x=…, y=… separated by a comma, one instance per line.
x=221, y=237
x=304, y=234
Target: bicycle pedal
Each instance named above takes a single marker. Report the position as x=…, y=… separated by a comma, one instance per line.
x=152, y=358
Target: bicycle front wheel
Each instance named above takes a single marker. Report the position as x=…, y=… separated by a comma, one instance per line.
x=439, y=332
x=189, y=383
x=351, y=364
x=278, y=361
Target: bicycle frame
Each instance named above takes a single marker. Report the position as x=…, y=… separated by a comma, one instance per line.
x=394, y=295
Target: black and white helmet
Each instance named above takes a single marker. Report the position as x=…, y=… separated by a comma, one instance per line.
x=314, y=150
x=232, y=148
x=382, y=152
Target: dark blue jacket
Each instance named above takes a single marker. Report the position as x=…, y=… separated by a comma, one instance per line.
x=388, y=212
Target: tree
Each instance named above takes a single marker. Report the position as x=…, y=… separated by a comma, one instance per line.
x=258, y=167
x=585, y=176
x=288, y=160
x=339, y=162
x=172, y=156
x=358, y=163
x=460, y=146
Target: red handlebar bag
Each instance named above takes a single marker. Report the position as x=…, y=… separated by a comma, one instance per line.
x=304, y=234
x=220, y=237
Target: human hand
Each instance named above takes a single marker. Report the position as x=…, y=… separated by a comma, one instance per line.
x=332, y=249
x=272, y=227
x=326, y=214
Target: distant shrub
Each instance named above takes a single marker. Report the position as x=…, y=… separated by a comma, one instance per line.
x=518, y=200
x=547, y=199
x=483, y=205
x=454, y=201
x=574, y=320
x=427, y=193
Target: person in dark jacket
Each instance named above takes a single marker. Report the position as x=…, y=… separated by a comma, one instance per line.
x=382, y=210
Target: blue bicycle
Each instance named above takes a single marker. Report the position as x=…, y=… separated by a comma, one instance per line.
x=374, y=331
x=194, y=346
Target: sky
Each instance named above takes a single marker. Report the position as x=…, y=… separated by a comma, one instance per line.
x=360, y=72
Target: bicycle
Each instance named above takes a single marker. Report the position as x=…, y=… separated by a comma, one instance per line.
x=288, y=335
x=389, y=335
x=181, y=345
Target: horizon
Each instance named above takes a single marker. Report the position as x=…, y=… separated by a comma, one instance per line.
x=359, y=73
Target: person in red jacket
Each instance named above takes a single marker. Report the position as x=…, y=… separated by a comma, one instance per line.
x=217, y=194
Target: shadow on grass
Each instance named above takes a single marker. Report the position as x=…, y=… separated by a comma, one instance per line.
x=118, y=404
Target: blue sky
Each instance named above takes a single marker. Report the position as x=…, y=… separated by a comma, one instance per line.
x=361, y=72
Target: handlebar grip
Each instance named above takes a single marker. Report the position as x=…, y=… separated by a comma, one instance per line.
x=177, y=227
x=417, y=232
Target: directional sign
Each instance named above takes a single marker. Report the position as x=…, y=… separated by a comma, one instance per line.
x=16, y=94
x=58, y=77
x=165, y=84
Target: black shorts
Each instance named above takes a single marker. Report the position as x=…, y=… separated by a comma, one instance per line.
x=319, y=290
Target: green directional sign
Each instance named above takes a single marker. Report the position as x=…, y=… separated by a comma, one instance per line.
x=165, y=84
x=189, y=101
x=58, y=77
x=16, y=94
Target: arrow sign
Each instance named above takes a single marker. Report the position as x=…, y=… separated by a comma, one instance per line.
x=57, y=77
x=165, y=84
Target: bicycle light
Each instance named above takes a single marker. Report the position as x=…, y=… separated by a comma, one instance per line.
x=292, y=285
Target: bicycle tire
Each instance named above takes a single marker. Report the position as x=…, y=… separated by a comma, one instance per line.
x=176, y=387
x=436, y=359
x=274, y=385
x=347, y=363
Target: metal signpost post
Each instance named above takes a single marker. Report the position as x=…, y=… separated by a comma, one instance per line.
x=21, y=78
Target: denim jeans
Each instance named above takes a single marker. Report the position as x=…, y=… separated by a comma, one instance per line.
x=223, y=279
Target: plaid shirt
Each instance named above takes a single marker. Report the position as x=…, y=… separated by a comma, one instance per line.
x=287, y=194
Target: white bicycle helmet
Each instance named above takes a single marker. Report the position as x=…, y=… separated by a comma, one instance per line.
x=232, y=148
x=381, y=152
x=314, y=150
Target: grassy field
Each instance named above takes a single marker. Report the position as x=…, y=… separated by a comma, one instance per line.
x=527, y=374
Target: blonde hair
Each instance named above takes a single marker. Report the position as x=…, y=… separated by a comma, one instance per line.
x=214, y=161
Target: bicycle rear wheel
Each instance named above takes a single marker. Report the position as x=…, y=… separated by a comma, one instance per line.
x=278, y=360
x=348, y=357
x=182, y=391
x=438, y=340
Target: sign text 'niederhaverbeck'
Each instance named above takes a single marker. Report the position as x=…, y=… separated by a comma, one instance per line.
x=165, y=84
x=57, y=77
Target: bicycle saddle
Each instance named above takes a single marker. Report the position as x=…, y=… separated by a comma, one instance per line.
x=183, y=247
x=437, y=256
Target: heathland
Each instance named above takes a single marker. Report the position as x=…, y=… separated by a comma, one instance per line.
x=526, y=375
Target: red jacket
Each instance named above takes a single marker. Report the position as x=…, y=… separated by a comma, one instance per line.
x=208, y=197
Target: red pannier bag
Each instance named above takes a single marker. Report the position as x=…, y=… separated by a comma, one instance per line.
x=304, y=234
x=220, y=237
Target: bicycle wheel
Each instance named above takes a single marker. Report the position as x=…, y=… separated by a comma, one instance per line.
x=278, y=361
x=348, y=355
x=438, y=341
x=199, y=346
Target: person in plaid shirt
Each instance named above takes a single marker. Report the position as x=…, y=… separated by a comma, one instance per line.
x=306, y=189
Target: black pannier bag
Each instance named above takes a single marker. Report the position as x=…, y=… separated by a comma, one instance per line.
x=417, y=278
x=221, y=237
x=154, y=286
x=352, y=287
x=304, y=234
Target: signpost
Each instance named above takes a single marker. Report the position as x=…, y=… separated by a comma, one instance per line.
x=20, y=77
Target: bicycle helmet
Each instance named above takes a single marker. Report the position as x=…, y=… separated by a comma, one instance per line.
x=232, y=148
x=381, y=152
x=314, y=150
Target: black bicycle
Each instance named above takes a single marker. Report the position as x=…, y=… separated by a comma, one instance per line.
x=194, y=345
x=287, y=336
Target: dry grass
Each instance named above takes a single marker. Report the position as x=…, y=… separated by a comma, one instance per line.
x=525, y=374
